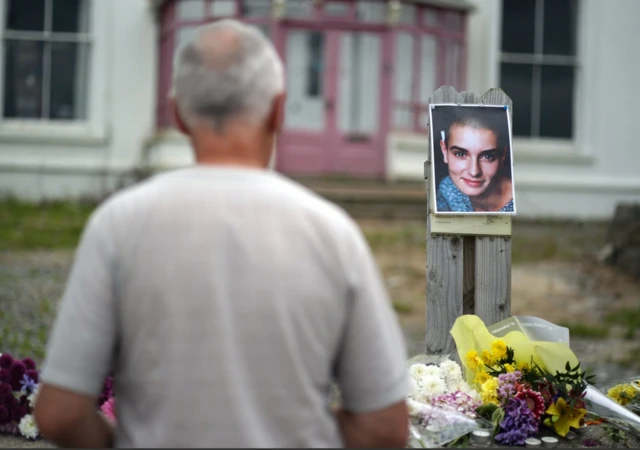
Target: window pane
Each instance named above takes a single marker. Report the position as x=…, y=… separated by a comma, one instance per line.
x=359, y=83
x=454, y=21
x=300, y=9
x=304, y=111
x=223, y=8
x=518, y=26
x=336, y=8
x=68, y=81
x=23, y=79
x=408, y=14
x=428, y=64
x=190, y=9
x=516, y=81
x=402, y=118
x=556, y=112
x=315, y=50
x=70, y=16
x=256, y=8
x=403, y=74
x=452, y=72
x=25, y=15
x=184, y=35
x=560, y=27
x=431, y=17
x=371, y=11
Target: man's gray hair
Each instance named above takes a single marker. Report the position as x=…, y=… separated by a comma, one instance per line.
x=228, y=70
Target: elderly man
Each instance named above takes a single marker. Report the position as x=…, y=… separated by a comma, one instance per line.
x=225, y=298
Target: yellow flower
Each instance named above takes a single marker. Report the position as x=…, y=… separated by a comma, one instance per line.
x=474, y=362
x=489, y=391
x=564, y=416
x=523, y=366
x=487, y=358
x=509, y=368
x=629, y=391
x=622, y=393
x=498, y=349
x=481, y=377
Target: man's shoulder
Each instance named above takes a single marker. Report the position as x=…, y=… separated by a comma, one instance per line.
x=316, y=205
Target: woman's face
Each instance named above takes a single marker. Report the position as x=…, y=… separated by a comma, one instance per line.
x=473, y=158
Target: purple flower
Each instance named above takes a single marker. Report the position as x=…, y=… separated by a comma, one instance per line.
x=6, y=361
x=4, y=415
x=29, y=363
x=28, y=384
x=5, y=390
x=5, y=376
x=507, y=384
x=518, y=423
x=18, y=369
x=107, y=390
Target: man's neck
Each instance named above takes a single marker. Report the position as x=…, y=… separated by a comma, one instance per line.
x=235, y=147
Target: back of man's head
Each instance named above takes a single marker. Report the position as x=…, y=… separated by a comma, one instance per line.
x=228, y=71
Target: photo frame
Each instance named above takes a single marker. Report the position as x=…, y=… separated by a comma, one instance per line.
x=472, y=160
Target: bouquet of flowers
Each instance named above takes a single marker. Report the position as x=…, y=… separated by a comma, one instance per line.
x=19, y=385
x=18, y=390
x=521, y=382
x=441, y=403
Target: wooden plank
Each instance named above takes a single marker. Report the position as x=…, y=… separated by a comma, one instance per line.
x=493, y=255
x=444, y=267
x=493, y=279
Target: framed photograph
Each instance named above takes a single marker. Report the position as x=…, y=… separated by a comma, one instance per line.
x=472, y=160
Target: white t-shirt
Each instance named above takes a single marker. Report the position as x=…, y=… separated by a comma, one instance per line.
x=226, y=300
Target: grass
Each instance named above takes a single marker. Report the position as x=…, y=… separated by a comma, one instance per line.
x=586, y=331
x=25, y=226
x=626, y=317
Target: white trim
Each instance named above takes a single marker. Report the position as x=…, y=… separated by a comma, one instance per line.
x=92, y=131
x=598, y=184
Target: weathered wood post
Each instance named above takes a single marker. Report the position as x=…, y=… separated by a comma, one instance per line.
x=469, y=270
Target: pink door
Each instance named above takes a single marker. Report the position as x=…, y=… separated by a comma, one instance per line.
x=334, y=108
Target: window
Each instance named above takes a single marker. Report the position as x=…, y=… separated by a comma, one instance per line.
x=46, y=60
x=429, y=51
x=538, y=65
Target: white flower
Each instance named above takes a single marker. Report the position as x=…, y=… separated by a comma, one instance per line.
x=418, y=372
x=433, y=385
x=451, y=370
x=33, y=396
x=432, y=371
x=28, y=427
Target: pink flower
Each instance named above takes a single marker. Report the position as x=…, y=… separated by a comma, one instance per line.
x=109, y=408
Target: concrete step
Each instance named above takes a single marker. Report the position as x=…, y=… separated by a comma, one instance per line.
x=374, y=200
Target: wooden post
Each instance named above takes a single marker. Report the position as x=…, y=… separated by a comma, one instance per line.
x=466, y=274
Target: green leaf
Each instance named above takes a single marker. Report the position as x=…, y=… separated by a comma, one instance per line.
x=567, y=367
x=497, y=416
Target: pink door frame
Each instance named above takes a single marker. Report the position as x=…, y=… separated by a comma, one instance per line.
x=331, y=152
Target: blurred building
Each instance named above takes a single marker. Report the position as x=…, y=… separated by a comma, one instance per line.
x=86, y=81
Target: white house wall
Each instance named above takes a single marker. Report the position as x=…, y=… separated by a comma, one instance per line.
x=45, y=162
x=586, y=178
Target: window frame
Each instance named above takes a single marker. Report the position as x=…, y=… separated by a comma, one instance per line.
x=443, y=37
x=536, y=60
x=92, y=130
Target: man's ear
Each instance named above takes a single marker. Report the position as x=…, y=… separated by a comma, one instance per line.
x=443, y=148
x=275, y=120
x=177, y=116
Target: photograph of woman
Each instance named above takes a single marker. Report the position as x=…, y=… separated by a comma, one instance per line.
x=472, y=159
